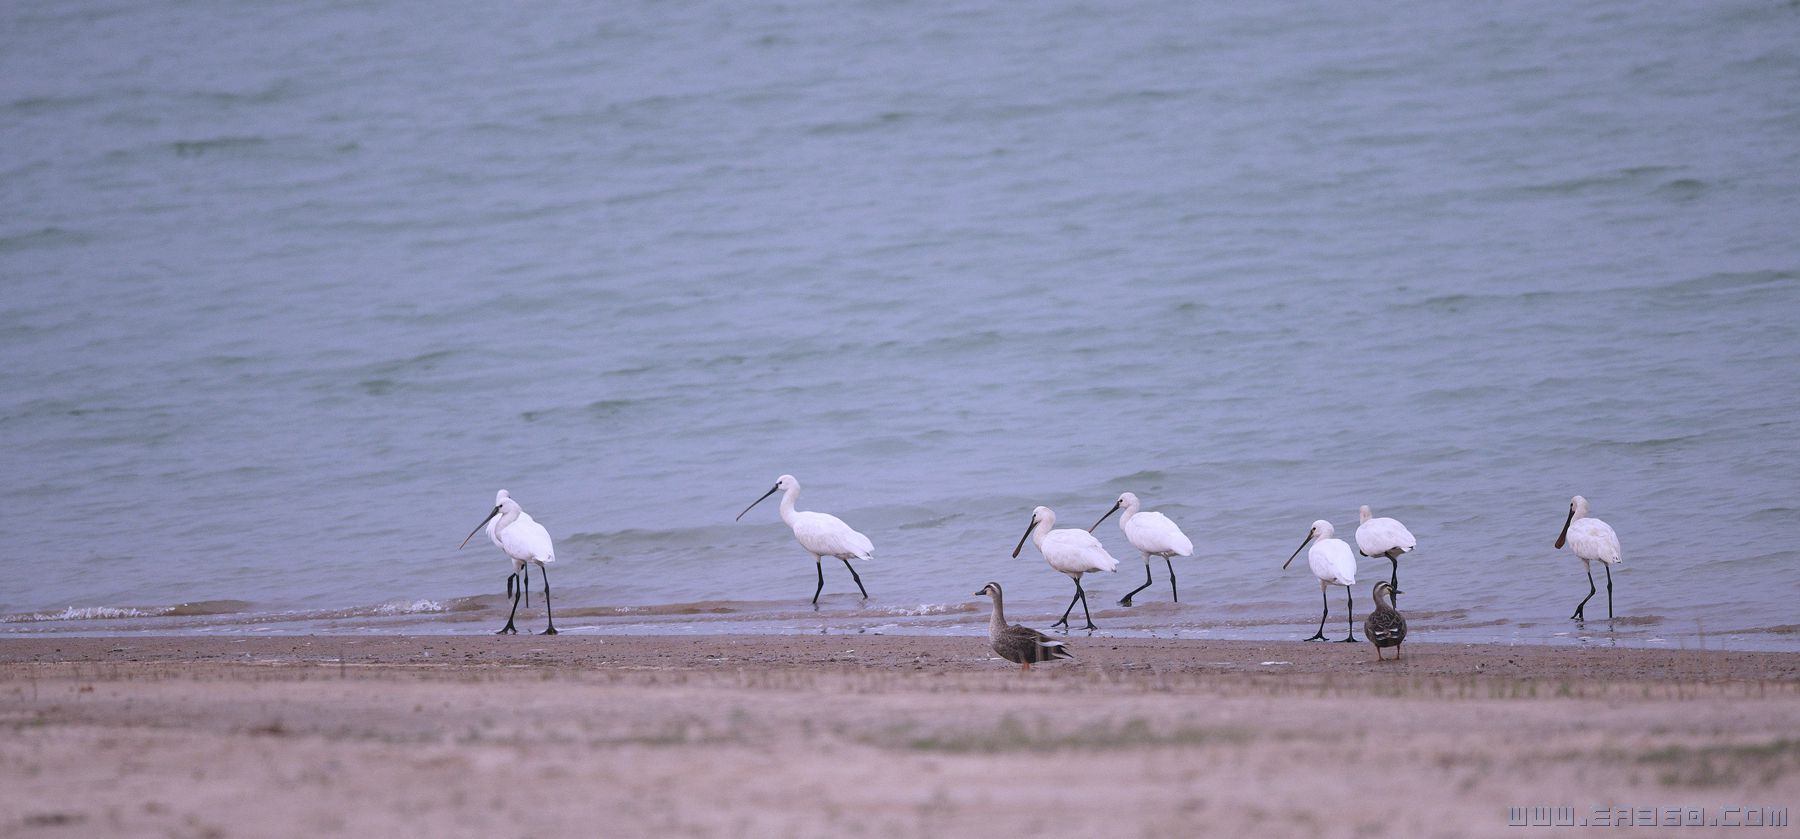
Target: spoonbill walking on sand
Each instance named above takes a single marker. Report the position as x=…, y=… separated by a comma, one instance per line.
x=1018, y=644
x=1591, y=539
x=1384, y=537
x=520, y=537
x=821, y=534
x=1073, y=552
x=1153, y=535
x=1334, y=566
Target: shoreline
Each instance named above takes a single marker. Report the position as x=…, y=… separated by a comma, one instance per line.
x=914, y=736
x=1099, y=655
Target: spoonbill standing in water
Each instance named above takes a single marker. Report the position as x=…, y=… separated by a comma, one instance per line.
x=1073, y=552
x=519, y=536
x=1384, y=537
x=1591, y=539
x=821, y=534
x=1334, y=566
x=1153, y=535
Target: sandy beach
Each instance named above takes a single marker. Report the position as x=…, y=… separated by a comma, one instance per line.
x=869, y=736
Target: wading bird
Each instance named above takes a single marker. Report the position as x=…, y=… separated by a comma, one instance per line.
x=1018, y=644
x=821, y=534
x=1073, y=552
x=1334, y=566
x=1153, y=535
x=1591, y=539
x=520, y=537
x=1384, y=537
x=1385, y=626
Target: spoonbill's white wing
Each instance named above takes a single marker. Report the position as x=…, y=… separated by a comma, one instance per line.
x=526, y=539
x=1074, y=551
x=1154, y=533
x=1594, y=539
x=1332, y=562
x=1376, y=537
x=827, y=535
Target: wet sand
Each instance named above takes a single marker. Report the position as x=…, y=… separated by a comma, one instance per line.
x=870, y=736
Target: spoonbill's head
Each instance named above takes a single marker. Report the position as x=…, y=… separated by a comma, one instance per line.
x=1578, y=509
x=1040, y=517
x=502, y=502
x=1321, y=529
x=992, y=589
x=1363, y=514
x=782, y=484
x=1127, y=502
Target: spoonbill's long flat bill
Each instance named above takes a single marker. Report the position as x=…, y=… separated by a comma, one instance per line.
x=1591, y=539
x=821, y=534
x=1334, y=566
x=520, y=537
x=1073, y=552
x=1384, y=537
x=1153, y=535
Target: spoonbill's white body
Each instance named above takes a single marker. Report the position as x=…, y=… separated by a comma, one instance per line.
x=1334, y=565
x=1153, y=534
x=1591, y=539
x=1073, y=552
x=526, y=542
x=1384, y=537
x=821, y=534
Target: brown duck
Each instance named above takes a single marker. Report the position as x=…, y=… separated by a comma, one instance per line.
x=1385, y=626
x=1019, y=644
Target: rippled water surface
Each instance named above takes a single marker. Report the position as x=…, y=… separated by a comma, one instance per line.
x=293, y=288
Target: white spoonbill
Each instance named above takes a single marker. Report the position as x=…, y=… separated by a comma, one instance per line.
x=1334, y=566
x=1384, y=537
x=1073, y=552
x=519, y=536
x=1591, y=539
x=821, y=534
x=1153, y=535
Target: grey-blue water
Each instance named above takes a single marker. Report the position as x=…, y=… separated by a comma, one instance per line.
x=292, y=288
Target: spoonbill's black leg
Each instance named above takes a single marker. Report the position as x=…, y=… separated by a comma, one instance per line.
x=513, y=590
x=1324, y=607
x=1609, y=612
x=1350, y=619
x=853, y=576
x=1065, y=618
x=817, y=564
x=1172, y=592
x=1579, y=614
x=1126, y=600
x=1084, y=609
x=547, y=616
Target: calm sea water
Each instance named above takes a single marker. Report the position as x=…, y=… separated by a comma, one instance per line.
x=292, y=288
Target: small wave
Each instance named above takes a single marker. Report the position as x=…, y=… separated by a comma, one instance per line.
x=926, y=609
x=205, y=607
x=417, y=607
x=196, y=148
x=82, y=613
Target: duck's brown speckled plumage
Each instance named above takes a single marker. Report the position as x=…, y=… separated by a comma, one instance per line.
x=1385, y=626
x=1019, y=644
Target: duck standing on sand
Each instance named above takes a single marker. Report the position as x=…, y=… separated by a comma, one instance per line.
x=1019, y=644
x=1385, y=627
